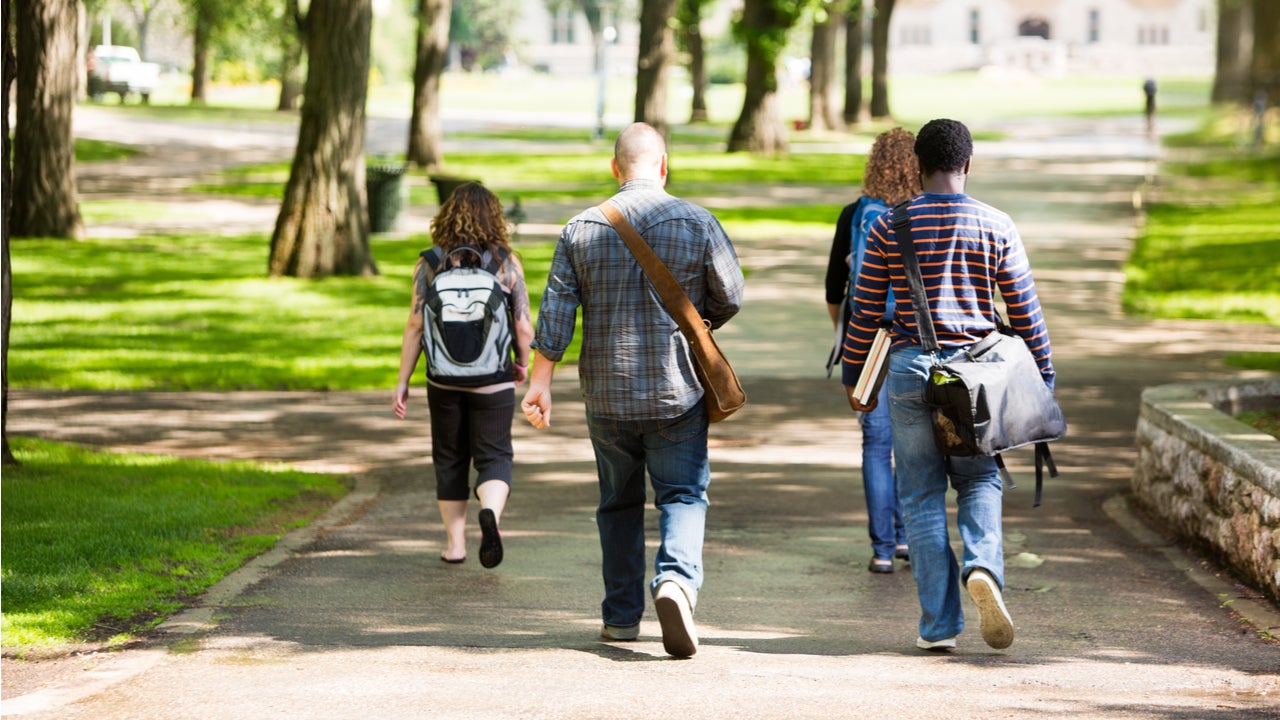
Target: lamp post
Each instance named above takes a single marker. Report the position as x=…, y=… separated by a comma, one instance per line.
x=607, y=35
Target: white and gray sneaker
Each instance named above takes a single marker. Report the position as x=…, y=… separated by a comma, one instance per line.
x=936, y=645
x=620, y=632
x=679, y=636
x=997, y=626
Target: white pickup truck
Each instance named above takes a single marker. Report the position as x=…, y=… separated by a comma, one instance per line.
x=119, y=69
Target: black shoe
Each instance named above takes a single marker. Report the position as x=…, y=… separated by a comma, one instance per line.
x=902, y=553
x=490, y=539
x=880, y=565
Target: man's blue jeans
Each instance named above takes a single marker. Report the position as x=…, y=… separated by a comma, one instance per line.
x=674, y=451
x=884, y=511
x=923, y=474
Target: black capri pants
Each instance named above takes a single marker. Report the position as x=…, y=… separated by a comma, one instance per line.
x=467, y=428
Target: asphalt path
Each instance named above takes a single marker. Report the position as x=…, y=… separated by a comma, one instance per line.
x=356, y=615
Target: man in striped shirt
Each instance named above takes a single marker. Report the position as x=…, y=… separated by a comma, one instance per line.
x=967, y=251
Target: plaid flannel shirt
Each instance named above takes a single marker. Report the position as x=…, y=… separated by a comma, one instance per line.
x=635, y=364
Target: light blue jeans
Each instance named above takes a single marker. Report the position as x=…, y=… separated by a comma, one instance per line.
x=674, y=451
x=884, y=511
x=923, y=475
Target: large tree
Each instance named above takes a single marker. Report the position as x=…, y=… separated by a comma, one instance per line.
x=763, y=28
x=6, y=200
x=1266, y=49
x=1234, y=51
x=689, y=39
x=656, y=51
x=880, y=58
x=827, y=21
x=44, y=183
x=853, y=62
x=323, y=227
x=426, y=132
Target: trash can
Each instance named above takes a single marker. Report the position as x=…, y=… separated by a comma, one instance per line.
x=384, y=184
x=446, y=184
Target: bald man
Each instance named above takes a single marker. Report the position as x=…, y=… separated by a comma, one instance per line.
x=643, y=400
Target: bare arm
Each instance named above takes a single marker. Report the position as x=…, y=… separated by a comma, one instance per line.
x=411, y=342
x=522, y=315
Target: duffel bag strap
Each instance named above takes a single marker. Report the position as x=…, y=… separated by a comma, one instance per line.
x=1044, y=459
x=911, y=268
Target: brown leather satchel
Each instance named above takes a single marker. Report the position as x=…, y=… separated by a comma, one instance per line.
x=722, y=393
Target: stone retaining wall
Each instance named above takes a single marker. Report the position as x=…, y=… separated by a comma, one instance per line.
x=1211, y=479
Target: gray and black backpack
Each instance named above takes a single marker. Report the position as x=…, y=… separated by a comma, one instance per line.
x=467, y=318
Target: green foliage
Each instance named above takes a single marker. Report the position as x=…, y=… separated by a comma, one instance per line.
x=99, y=546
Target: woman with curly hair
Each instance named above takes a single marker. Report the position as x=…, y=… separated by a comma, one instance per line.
x=470, y=424
x=892, y=176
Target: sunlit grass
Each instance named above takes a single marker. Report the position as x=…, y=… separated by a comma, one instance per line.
x=197, y=313
x=99, y=547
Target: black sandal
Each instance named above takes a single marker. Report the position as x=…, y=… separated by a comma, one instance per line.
x=490, y=539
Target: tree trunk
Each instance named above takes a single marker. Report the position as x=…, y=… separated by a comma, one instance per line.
x=426, y=131
x=293, y=36
x=200, y=51
x=657, y=46
x=690, y=13
x=760, y=128
x=1234, y=48
x=1266, y=49
x=44, y=181
x=880, y=59
x=6, y=199
x=822, y=72
x=323, y=227
x=853, y=63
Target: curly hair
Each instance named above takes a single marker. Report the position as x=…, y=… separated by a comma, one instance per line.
x=944, y=146
x=892, y=174
x=471, y=216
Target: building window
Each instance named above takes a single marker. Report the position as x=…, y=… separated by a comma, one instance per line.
x=562, y=27
x=1094, y=23
x=916, y=35
x=1153, y=34
x=975, y=24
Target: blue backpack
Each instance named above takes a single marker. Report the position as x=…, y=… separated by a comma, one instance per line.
x=868, y=210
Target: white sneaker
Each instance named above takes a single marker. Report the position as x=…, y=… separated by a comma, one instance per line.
x=997, y=626
x=943, y=644
x=679, y=636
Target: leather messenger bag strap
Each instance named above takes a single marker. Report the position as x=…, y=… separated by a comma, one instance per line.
x=668, y=288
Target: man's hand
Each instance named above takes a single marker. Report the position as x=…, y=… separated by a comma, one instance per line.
x=857, y=406
x=537, y=406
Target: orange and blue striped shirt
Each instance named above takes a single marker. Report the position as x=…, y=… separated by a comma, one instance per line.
x=967, y=251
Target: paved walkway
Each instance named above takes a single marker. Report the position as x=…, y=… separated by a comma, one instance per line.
x=357, y=616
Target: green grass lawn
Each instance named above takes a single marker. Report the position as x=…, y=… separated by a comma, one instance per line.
x=97, y=547
x=1210, y=247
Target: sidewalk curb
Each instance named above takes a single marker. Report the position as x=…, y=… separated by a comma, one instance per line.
x=1260, y=616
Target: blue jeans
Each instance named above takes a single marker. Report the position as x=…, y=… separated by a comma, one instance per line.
x=923, y=475
x=884, y=511
x=674, y=451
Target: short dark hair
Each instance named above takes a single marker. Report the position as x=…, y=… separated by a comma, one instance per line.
x=943, y=145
